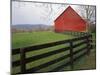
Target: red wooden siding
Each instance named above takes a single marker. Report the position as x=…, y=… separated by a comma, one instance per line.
x=69, y=20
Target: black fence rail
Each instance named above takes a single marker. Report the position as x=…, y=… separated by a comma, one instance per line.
x=75, y=33
x=87, y=39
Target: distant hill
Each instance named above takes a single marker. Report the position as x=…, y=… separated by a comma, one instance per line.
x=30, y=27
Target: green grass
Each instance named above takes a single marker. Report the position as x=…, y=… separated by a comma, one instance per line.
x=87, y=62
x=34, y=38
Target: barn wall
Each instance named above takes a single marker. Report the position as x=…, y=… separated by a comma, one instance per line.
x=70, y=21
x=73, y=22
x=59, y=24
x=74, y=25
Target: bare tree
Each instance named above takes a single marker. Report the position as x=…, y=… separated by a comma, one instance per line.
x=48, y=7
x=88, y=13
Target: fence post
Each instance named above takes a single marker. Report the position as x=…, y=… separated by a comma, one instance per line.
x=91, y=41
x=91, y=38
x=88, y=45
x=71, y=55
x=22, y=60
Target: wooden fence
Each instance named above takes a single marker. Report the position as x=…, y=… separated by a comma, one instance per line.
x=76, y=33
x=87, y=39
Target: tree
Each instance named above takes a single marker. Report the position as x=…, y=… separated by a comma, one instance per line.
x=48, y=7
x=88, y=13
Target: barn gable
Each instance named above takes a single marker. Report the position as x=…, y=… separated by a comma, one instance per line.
x=69, y=20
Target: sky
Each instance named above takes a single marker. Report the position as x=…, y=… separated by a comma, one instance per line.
x=91, y=2
x=36, y=13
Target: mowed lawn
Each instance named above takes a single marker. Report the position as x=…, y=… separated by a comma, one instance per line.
x=34, y=38
x=29, y=39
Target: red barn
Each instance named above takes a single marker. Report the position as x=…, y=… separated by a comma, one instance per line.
x=69, y=20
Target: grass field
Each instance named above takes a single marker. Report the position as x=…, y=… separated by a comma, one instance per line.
x=34, y=38
x=27, y=39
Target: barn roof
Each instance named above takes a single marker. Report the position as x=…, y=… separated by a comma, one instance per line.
x=66, y=10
